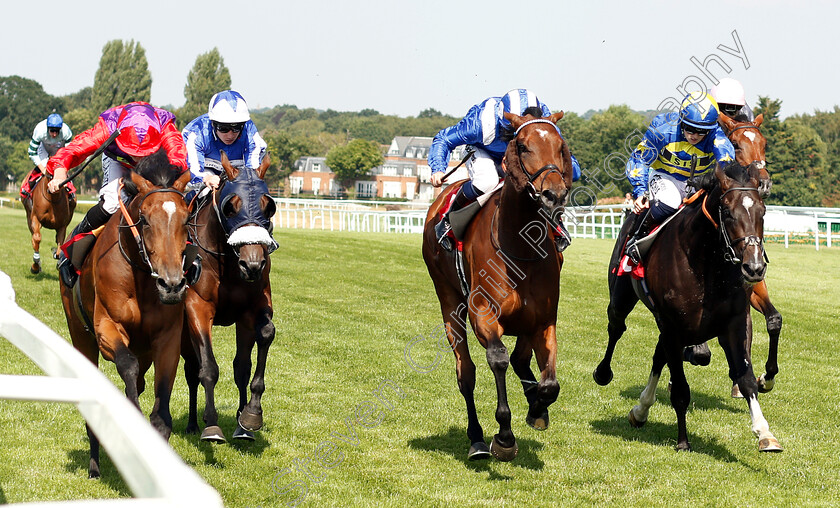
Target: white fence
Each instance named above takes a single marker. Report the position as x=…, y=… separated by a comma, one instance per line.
x=152, y=470
x=785, y=223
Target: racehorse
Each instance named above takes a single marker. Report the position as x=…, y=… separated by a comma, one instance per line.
x=128, y=301
x=234, y=288
x=52, y=211
x=695, y=277
x=513, y=275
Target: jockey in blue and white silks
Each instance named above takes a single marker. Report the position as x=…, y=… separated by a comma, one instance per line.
x=486, y=131
x=226, y=127
x=659, y=167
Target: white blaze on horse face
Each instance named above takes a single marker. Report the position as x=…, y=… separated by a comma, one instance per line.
x=760, y=164
x=750, y=135
x=169, y=207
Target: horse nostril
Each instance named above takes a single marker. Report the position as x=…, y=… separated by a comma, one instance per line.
x=549, y=197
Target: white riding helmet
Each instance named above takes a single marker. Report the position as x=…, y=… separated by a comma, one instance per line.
x=729, y=91
x=228, y=107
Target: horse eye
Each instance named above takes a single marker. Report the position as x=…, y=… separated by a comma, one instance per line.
x=735, y=145
x=521, y=148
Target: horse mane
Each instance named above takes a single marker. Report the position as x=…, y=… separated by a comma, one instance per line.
x=741, y=174
x=157, y=169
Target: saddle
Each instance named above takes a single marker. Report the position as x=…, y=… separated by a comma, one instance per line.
x=459, y=220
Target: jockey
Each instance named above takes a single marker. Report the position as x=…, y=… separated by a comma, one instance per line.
x=487, y=132
x=227, y=127
x=661, y=164
x=144, y=129
x=49, y=135
x=729, y=94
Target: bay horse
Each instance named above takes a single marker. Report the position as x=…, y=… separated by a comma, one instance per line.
x=513, y=275
x=231, y=229
x=128, y=303
x=47, y=210
x=695, y=274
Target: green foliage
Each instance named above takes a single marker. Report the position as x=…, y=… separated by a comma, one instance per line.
x=353, y=160
x=24, y=103
x=123, y=76
x=79, y=100
x=14, y=160
x=208, y=76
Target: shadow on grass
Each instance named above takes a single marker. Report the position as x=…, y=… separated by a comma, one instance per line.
x=228, y=424
x=699, y=399
x=663, y=435
x=455, y=443
x=79, y=461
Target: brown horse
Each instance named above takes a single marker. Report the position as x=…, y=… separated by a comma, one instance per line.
x=750, y=145
x=696, y=272
x=52, y=211
x=234, y=288
x=513, y=276
x=128, y=302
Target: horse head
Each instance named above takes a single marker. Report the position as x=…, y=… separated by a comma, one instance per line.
x=538, y=162
x=161, y=223
x=246, y=209
x=749, y=144
x=741, y=218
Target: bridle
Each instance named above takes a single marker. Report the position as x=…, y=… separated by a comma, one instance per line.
x=138, y=235
x=729, y=254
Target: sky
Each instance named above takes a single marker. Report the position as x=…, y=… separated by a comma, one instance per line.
x=401, y=57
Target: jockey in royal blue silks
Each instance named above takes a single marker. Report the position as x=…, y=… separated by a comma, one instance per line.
x=660, y=165
x=486, y=131
x=226, y=126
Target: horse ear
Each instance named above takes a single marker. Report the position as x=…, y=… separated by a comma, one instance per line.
x=758, y=120
x=264, y=165
x=515, y=120
x=143, y=186
x=554, y=118
x=231, y=171
x=726, y=121
x=182, y=181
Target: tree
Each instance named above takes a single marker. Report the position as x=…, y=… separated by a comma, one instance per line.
x=429, y=113
x=123, y=76
x=24, y=103
x=208, y=76
x=353, y=160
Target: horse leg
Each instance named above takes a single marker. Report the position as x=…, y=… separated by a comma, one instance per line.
x=35, y=229
x=639, y=414
x=128, y=367
x=167, y=353
x=741, y=372
x=504, y=445
x=200, y=367
x=680, y=392
x=544, y=393
x=86, y=344
x=250, y=416
x=622, y=300
x=760, y=300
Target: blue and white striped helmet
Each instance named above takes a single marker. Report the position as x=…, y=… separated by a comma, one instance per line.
x=517, y=101
x=228, y=107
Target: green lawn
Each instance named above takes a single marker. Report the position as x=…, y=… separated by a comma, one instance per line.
x=346, y=306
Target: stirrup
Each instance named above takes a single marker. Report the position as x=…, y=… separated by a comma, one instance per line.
x=67, y=272
x=633, y=253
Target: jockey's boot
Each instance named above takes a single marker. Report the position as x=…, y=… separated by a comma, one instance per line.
x=562, y=238
x=646, y=223
x=78, y=246
x=443, y=227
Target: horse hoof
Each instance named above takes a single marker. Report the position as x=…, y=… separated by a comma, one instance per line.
x=35, y=269
x=769, y=444
x=479, y=451
x=213, y=434
x=634, y=422
x=540, y=423
x=503, y=453
x=736, y=392
x=601, y=379
x=765, y=385
x=683, y=447
x=243, y=434
x=250, y=421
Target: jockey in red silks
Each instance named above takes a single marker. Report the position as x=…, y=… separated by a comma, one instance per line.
x=144, y=129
